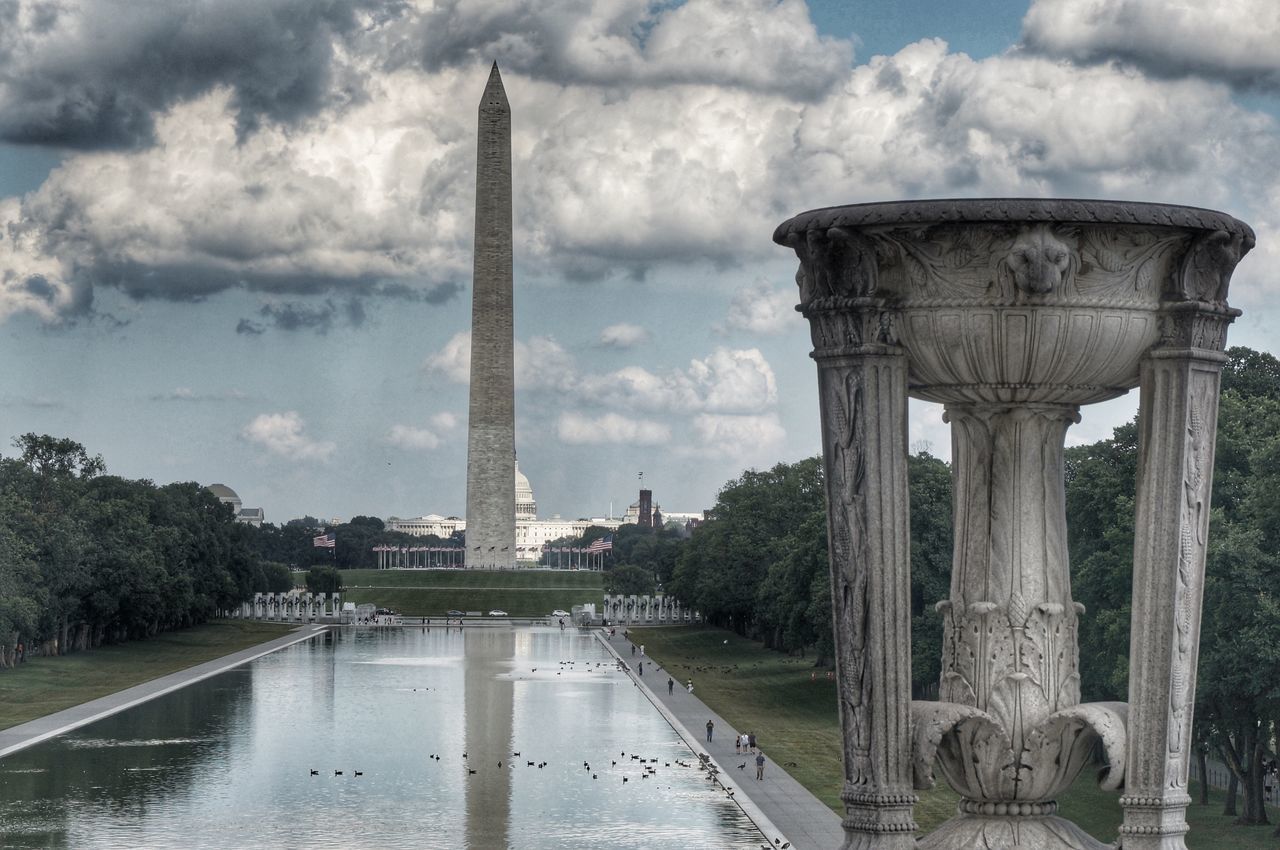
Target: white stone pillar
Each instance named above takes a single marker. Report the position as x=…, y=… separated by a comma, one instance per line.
x=862, y=393
x=1178, y=418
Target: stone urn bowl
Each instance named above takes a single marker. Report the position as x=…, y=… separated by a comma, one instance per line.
x=1012, y=313
x=1014, y=300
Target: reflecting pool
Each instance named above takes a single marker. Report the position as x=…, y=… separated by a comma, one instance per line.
x=485, y=737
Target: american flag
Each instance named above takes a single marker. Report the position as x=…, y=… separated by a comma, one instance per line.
x=324, y=541
x=601, y=544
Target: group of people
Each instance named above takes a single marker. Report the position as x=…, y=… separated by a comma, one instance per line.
x=743, y=744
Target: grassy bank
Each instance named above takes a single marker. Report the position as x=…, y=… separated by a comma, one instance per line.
x=42, y=686
x=430, y=593
x=795, y=718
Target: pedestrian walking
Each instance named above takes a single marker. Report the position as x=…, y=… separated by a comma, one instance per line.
x=710, y=726
x=642, y=649
x=640, y=667
x=742, y=742
x=671, y=686
x=737, y=744
x=633, y=649
x=760, y=766
x=690, y=686
x=751, y=741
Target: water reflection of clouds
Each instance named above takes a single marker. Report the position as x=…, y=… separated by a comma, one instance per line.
x=449, y=661
x=102, y=743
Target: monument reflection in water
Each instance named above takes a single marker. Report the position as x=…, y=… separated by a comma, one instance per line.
x=227, y=762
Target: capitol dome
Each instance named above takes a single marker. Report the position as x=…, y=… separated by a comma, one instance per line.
x=526, y=507
x=225, y=495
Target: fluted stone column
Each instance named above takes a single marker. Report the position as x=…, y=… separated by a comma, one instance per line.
x=862, y=386
x=1178, y=418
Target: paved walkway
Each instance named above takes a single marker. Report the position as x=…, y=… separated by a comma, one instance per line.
x=33, y=732
x=779, y=805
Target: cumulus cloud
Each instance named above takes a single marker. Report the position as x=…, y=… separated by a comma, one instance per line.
x=727, y=380
x=1238, y=42
x=540, y=363
x=756, y=45
x=284, y=434
x=739, y=436
x=412, y=438
x=93, y=73
x=763, y=309
x=664, y=133
x=623, y=336
x=611, y=428
x=444, y=421
x=453, y=361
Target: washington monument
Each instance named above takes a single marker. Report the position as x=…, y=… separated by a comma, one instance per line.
x=491, y=424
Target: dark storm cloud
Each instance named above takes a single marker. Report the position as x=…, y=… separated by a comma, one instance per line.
x=1236, y=43
x=93, y=74
x=759, y=45
x=319, y=317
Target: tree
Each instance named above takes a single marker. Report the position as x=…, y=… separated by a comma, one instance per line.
x=324, y=580
x=931, y=550
x=276, y=578
x=1237, y=703
x=628, y=579
x=722, y=565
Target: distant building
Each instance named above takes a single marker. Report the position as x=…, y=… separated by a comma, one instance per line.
x=531, y=533
x=248, y=516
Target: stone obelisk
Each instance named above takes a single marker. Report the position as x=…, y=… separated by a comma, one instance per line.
x=491, y=424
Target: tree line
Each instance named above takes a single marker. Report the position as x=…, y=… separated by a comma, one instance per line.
x=88, y=558
x=759, y=566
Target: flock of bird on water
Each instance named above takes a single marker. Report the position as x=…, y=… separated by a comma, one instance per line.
x=647, y=770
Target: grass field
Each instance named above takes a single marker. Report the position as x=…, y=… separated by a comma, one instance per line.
x=795, y=718
x=430, y=593
x=42, y=685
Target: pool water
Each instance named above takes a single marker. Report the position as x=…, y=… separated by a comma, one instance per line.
x=431, y=719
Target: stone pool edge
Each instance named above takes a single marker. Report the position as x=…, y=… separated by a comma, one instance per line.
x=33, y=732
x=748, y=806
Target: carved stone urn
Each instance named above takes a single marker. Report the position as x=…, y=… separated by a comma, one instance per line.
x=1013, y=313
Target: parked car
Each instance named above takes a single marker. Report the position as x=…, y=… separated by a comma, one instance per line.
x=559, y=613
x=454, y=614
x=496, y=613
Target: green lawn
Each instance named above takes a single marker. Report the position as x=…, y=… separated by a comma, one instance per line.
x=470, y=578
x=44, y=685
x=430, y=593
x=795, y=719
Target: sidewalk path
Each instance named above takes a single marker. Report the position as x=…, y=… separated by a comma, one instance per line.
x=42, y=728
x=782, y=807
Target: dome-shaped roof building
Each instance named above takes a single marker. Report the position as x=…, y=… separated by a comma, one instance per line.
x=526, y=507
x=226, y=495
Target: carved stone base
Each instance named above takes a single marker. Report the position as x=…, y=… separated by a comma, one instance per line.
x=981, y=832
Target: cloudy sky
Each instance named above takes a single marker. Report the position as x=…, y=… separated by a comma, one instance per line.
x=235, y=236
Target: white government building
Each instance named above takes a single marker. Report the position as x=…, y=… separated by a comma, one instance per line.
x=531, y=533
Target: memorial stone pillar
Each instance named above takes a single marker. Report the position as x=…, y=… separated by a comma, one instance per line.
x=862, y=385
x=1177, y=418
